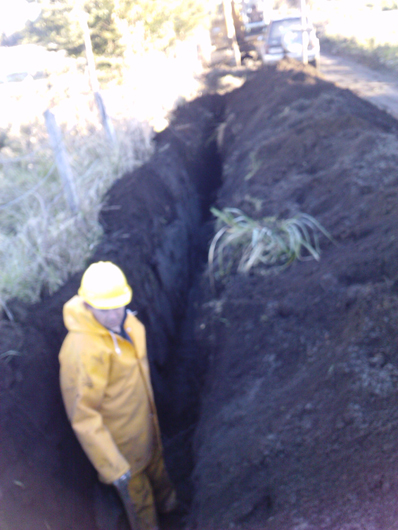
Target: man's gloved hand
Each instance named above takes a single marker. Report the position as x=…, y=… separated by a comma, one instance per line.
x=122, y=482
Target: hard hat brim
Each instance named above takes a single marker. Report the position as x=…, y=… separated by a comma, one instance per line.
x=108, y=303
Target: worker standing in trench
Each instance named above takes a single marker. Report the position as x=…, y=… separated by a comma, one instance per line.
x=108, y=396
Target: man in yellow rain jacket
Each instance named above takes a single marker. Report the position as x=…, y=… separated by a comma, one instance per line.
x=107, y=392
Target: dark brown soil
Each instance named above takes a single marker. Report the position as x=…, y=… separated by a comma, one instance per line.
x=298, y=419
x=299, y=422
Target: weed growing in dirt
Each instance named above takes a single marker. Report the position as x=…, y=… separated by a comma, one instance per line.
x=41, y=241
x=269, y=242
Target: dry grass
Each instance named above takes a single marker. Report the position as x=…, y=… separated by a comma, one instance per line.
x=41, y=242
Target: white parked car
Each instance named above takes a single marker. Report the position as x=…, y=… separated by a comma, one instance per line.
x=284, y=38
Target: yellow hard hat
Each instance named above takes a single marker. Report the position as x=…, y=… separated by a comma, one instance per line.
x=104, y=286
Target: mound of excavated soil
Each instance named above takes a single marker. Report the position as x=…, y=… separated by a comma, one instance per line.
x=298, y=419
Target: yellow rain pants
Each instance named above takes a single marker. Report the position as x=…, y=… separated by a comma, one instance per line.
x=150, y=488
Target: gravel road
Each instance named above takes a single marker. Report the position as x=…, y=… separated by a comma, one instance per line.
x=380, y=88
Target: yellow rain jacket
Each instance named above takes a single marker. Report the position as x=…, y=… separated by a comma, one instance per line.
x=107, y=392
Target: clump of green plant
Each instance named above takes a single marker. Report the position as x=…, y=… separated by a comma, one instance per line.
x=269, y=242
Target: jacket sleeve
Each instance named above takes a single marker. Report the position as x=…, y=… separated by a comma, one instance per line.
x=83, y=383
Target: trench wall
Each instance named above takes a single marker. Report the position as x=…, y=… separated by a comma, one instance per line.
x=152, y=221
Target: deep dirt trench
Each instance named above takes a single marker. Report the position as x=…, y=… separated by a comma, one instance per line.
x=155, y=227
x=278, y=394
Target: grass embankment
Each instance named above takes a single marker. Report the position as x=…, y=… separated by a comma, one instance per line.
x=369, y=35
x=41, y=241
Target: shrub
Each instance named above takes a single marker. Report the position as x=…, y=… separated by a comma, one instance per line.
x=269, y=243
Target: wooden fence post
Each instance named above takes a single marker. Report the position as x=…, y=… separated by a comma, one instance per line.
x=106, y=121
x=61, y=159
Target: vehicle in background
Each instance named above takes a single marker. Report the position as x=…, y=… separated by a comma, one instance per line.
x=254, y=18
x=250, y=46
x=250, y=19
x=284, y=38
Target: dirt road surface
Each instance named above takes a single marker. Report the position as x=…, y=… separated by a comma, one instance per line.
x=380, y=88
